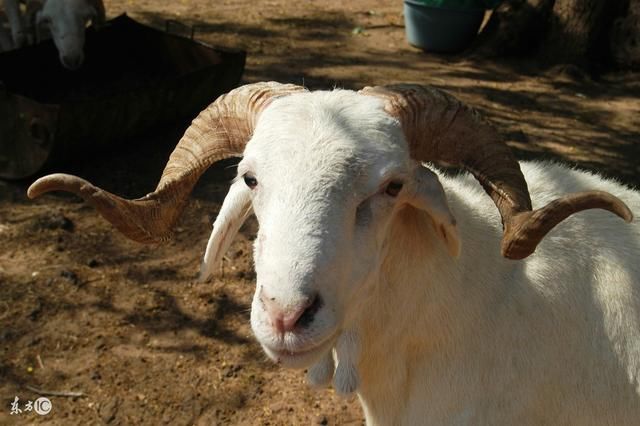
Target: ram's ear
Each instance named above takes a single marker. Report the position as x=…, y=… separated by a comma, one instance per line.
x=234, y=211
x=425, y=192
x=100, y=14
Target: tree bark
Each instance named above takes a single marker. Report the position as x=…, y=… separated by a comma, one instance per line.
x=514, y=28
x=578, y=32
x=625, y=38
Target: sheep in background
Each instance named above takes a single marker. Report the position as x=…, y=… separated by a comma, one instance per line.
x=65, y=21
x=356, y=234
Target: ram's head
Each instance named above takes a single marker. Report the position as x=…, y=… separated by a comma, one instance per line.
x=66, y=21
x=325, y=174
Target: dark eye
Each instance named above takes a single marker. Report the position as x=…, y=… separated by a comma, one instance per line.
x=251, y=181
x=393, y=188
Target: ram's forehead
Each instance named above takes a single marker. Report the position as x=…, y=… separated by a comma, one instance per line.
x=64, y=5
x=338, y=132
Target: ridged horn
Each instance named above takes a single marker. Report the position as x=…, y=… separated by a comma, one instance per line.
x=527, y=229
x=439, y=128
x=220, y=131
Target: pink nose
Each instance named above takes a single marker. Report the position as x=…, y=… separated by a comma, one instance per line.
x=286, y=319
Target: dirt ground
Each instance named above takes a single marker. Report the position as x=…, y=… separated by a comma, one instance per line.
x=83, y=309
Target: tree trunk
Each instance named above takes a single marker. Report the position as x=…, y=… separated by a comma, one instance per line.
x=514, y=28
x=625, y=38
x=579, y=32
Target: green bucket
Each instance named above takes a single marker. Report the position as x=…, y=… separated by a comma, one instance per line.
x=446, y=26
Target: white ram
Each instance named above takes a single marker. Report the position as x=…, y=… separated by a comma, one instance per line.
x=65, y=21
x=357, y=238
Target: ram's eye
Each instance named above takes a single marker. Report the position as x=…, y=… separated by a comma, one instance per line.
x=250, y=180
x=393, y=188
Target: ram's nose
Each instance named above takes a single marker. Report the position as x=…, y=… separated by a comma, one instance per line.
x=72, y=62
x=287, y=317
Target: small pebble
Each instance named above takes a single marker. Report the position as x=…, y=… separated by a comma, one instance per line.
x=70, y=276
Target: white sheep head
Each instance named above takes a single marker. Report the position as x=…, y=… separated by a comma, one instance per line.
x=66, y=21
x=324, y=185
x=326, y=173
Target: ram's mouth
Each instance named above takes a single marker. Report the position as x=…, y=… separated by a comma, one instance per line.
x=302, y=357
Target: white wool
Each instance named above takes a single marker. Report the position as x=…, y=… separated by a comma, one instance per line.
x=430, y=324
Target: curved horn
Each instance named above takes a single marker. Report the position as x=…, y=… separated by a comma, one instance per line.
x=220, y=131
x=440, y=128
x=527, y=229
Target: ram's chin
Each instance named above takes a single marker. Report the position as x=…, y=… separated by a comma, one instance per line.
x=303, y=358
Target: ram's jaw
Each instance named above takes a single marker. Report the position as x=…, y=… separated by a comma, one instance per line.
x=300, y=359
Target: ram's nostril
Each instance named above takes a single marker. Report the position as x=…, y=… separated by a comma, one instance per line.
x=315, y=303
x=286, y=319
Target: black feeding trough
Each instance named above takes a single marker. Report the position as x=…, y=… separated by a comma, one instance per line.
x=134, y=78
